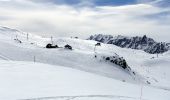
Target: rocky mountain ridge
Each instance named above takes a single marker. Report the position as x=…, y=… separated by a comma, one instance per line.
x=144, y=43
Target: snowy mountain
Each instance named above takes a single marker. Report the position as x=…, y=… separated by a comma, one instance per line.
x=141, y=43
x=87, y=71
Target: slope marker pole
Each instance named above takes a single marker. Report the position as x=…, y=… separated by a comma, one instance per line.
x=52, y=40
x=34, y=59
x=27, y=37
x=141, y=92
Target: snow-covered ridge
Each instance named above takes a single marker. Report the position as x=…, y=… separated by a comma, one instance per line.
x=20, y=37
x=144, y=43
x=7, y=29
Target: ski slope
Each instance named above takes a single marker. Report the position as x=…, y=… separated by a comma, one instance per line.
x=36, y=81
x=81, y=76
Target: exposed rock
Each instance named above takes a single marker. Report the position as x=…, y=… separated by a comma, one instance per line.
x=18, y=41
x=141, y=43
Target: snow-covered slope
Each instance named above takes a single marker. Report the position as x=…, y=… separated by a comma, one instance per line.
x=81, y=57
x=147, y=67
x=35, y=81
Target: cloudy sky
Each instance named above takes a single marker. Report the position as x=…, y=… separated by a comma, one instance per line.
x=85, y=17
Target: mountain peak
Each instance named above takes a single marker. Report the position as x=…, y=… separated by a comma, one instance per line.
x=144, y=43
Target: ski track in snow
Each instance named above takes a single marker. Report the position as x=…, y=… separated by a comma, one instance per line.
x=4, y=58
x=108, y=97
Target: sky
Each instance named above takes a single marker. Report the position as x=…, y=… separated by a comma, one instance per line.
x=83, y=18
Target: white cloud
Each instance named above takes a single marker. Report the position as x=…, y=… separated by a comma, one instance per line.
x=64, y=20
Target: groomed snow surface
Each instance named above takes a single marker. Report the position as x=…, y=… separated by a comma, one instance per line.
x=77, y=74
x=35, y=81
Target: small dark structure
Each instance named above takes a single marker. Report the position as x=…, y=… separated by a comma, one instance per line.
x=68, y=47
x=76, y=37
x=98, y=44
x=51, y=46
x=107, y=58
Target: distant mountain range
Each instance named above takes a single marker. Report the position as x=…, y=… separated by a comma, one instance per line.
x=144, y=43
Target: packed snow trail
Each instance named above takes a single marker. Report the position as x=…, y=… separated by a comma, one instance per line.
x=87, y=97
